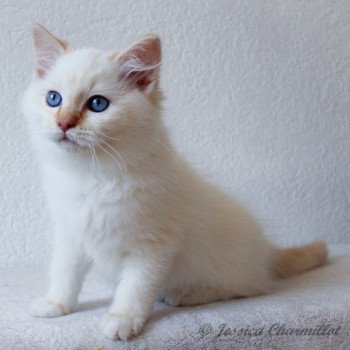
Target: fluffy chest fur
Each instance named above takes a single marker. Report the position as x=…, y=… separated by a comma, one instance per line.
x=102, y=214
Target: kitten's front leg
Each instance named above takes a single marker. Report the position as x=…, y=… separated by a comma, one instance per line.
x=142, y=278
x=67, y=272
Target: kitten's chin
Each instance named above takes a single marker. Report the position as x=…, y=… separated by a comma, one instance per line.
x=69, y=145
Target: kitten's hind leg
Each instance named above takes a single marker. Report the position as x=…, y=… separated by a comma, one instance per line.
x=173, y=297
x=196, y=296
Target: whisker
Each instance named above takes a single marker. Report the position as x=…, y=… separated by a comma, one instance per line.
x=111, y=155
x=91, y=139
x=117, y=153
x=108, y=137
x=93, y=161
x=98, y=163
x=143, y=187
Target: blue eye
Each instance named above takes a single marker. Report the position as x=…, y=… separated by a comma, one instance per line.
x=97, y=103
x=53, y=98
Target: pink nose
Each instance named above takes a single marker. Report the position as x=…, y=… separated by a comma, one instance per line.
x=64, y=125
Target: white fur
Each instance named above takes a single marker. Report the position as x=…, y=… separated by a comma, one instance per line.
x=135, y=210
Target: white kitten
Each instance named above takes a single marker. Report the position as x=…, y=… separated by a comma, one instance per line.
x=122, y=199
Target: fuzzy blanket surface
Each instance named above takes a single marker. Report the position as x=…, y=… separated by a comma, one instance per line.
x=310, y=311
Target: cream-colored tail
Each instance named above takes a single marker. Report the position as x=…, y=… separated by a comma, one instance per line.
x=292, y=261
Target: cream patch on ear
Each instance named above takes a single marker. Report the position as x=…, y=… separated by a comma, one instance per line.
x=48, y=49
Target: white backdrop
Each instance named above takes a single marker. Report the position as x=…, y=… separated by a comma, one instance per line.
x=258, y=98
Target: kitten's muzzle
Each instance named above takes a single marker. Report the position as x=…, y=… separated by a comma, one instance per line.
x=66, y=124
x=67, y=119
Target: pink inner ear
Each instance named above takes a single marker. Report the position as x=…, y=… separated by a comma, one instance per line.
x=48, y=49
x=139, y=63
x=137, y=77
x=144, y=79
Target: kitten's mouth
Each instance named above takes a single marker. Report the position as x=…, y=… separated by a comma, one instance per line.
x=69, y=144
x=72, y=143
x=65, y=140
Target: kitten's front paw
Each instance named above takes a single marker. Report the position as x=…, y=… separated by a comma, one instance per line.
x=45, y=308
x=122, y=327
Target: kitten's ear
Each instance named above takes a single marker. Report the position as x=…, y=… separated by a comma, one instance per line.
x=47, y=48
x=139, y=64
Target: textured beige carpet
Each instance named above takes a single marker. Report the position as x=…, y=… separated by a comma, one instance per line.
x=315, y=307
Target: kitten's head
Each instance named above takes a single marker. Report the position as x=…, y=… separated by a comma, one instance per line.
x=86, y=98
